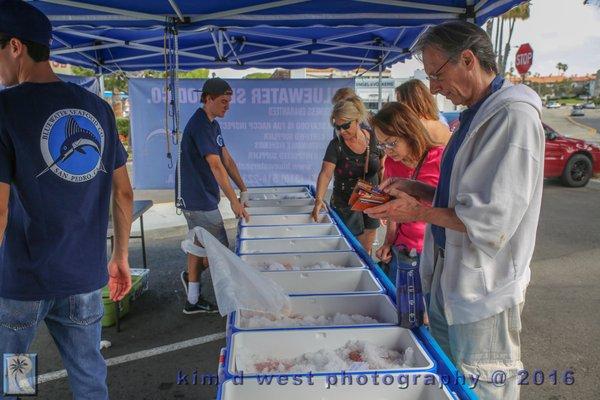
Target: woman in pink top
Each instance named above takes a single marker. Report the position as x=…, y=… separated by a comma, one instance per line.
x=410, y=153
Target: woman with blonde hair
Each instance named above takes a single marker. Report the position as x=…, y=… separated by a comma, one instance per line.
x=343, y=94
x=351, y=155
x=349, y=94
x=411, y=154
x=419, y=99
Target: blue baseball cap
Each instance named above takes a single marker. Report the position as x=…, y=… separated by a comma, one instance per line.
x=23, y=21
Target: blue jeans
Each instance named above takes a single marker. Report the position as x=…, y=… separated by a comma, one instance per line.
x=74, y=323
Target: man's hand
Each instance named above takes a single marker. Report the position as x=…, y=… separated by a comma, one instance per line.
x=119, y=281
x=319, y=204
x=397, y=183
x=239, y=210
x=404, y=208
x=4, y=195
x=422, y=191
x=384, y=253
x=244, y=197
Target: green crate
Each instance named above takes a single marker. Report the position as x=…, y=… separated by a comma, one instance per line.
x=139, y=284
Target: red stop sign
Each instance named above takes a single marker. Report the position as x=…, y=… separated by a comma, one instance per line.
x=524, y=58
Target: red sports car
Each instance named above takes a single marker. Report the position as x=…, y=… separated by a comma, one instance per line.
x=574, y=161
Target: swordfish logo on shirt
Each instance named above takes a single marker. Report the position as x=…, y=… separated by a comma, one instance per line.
x=72, y=144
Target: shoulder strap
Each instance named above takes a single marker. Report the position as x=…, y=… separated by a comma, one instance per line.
x=415, y=173
x=339, y=145
x=367, y=153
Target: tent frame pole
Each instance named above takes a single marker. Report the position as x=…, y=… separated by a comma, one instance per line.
x=416, y=5
x=379, y=101
x=110, y=10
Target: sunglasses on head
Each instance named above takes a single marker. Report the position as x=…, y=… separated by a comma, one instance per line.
x=341, y=127
x=387, y=146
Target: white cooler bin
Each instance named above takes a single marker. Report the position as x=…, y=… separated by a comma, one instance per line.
x=270, y=232
x=293, y=245
x=376, y=306
x=285, y=219
x=279, y=196
x=326, y=282
x=323, y=388
x=278, y=189
x=288, y=344
x=304, y=261
x=281, y=203
x=279, y=210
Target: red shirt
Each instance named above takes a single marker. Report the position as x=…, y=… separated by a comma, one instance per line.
x=411, y=234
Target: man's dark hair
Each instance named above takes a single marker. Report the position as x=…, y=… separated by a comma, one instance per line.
x=452, y=38
x=38, y=52
x=204, y=96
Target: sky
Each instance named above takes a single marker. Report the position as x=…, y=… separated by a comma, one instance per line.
x=558, y=31
x=564, y=31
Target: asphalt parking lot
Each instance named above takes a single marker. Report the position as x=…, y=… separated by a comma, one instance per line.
x=592, y=120
x=560, y=320
x=578, y=127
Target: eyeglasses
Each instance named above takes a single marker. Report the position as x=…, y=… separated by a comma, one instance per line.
x=387, y=146
x=435, y=75
x=343, y=127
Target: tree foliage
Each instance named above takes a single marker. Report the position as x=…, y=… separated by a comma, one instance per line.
x=258, y=75
x=123, y=126
x=562, y=67
x=496, y=28
x=80, y=71
x=118, y=80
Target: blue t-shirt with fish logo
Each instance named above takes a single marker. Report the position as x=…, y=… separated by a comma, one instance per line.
x=59, y=147
x=199, y=189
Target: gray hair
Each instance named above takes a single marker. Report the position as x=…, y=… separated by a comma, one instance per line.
x=454, y=37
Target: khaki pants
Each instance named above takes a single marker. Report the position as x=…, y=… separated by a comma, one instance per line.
x=489, y=349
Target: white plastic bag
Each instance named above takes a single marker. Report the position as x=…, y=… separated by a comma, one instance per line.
x=237, y=285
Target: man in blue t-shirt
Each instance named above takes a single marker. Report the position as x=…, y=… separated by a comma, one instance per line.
x=60, y=156
x=205, y=165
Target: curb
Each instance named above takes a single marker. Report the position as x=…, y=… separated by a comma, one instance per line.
x=595, y=182
x=579, y=124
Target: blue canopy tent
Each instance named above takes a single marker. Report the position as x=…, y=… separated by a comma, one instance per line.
x=128, y=35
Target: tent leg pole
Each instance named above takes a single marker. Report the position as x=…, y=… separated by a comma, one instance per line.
x=379, y=102
x=101, y=80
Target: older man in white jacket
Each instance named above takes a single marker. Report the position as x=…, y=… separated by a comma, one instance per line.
x=483, y=216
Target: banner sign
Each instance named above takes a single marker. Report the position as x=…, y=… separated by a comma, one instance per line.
x=276, y=130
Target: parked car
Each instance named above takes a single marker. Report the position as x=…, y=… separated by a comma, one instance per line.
x=452, y=119
x=553, y=104
x=577, y=111
x=574, y=161
x=589, y=106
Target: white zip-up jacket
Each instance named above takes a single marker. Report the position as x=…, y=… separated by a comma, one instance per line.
x=496, y=191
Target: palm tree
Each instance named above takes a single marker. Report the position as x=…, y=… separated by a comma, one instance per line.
x=521, y=13
x=502, y=48
x=562, y=67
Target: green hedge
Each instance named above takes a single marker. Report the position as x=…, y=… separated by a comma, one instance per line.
x=123, y=126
